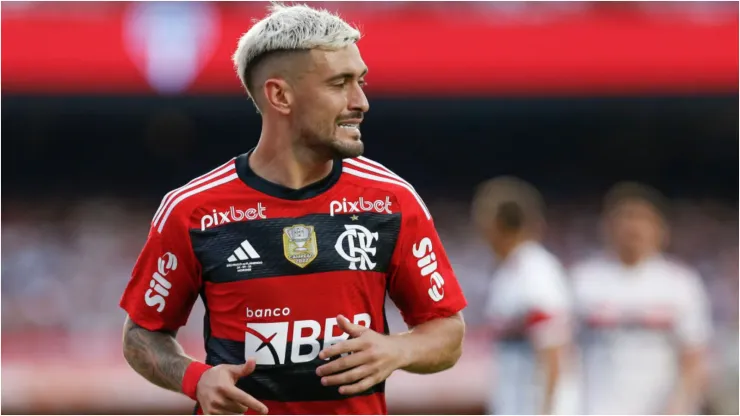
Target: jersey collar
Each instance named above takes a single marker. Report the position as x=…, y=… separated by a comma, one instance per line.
x=250, y=178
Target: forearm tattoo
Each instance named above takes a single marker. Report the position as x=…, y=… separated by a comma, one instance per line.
x=156, y=356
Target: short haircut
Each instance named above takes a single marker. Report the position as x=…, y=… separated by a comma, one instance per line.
x=634, y=191
x=290, y=28
x=512, y=203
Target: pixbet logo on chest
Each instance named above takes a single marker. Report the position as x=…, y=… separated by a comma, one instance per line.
x=349, y=207
x=232, y=215
x=268, y=342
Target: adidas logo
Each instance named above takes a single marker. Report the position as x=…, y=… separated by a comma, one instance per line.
x=243, y=257
x=245, y=252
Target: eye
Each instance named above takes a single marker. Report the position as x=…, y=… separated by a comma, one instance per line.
x=362, y=83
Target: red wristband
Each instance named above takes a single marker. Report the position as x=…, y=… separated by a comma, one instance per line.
x=192, y=375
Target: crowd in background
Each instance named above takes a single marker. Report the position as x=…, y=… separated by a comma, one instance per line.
x=65, y=266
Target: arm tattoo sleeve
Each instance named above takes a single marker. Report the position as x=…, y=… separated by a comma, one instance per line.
x=156, y=356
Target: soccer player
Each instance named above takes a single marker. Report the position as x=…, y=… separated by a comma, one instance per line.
x=528, y=307
x=292, y=247
x=645, y=319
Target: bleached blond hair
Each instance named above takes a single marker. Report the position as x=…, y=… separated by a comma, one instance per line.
x=287, y=28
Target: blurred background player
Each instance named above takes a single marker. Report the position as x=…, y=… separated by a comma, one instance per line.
x=528, y=303
x=645, y=317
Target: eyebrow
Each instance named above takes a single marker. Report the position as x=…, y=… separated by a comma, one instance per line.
x=345, y=75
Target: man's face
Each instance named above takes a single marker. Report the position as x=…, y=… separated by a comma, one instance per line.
x=330, y=102
x=635, y=228
x=490, y=230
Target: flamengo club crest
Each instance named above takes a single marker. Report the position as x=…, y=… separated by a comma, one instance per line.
x=356, y=246
x=299, y=244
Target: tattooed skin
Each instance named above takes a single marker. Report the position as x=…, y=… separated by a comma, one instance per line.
x=156, y=356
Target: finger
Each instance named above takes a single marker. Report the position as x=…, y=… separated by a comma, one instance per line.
x=344, y=363
x=210, y=410
x=223, y=410
x=351, y=345
x=348, y=377
x=228, y=407
x=358, y=387
x=237, y=395
x=353, y=330
x=239, y=371
x=219, y=407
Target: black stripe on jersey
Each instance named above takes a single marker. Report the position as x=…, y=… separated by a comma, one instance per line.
x=285, y=383
x=344, y=242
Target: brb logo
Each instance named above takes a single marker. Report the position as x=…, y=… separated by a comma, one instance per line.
x=268, y=342
x=358, y=241
x=233, y=214
x=159, y=284
x=348, y=207
x=427, y=262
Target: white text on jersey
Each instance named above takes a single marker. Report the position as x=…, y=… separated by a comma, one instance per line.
x=232, y=215
x=267, y=312
x=159, y=284
x=349, y=207
x=268, y=342
x=427, y=262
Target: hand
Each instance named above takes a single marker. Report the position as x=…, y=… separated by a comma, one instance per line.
x=374, y=357
x=218, y=394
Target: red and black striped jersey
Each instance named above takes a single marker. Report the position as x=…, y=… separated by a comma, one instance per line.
x=275, y=266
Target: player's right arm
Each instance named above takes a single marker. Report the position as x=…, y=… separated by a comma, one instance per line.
x=155, y=355
x=158, y=357
x=163, y=288
x=164, y=285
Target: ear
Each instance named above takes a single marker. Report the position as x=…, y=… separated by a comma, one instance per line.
x=279, y=95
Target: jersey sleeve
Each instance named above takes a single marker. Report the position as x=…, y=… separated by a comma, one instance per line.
x=165, y=281
x=422, y=283
x=548, y=315
x=694, y=325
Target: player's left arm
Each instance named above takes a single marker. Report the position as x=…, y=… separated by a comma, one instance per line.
x=433, y=346
x=424, y=287
x=548, y=328
x=693, y=331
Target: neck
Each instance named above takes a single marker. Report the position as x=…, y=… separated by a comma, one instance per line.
x=279, y=159
x=632, y=258
x=504, y=250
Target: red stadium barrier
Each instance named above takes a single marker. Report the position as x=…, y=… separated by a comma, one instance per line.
x=134, y=49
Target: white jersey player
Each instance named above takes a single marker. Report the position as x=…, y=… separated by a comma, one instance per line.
x=528, y=304
x=645, y=319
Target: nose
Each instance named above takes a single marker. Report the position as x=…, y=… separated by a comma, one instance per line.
x=358, y=100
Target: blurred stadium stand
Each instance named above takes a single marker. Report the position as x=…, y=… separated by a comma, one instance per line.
x=99, y=121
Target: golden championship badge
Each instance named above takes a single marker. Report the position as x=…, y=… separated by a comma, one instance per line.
x=299, y=244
